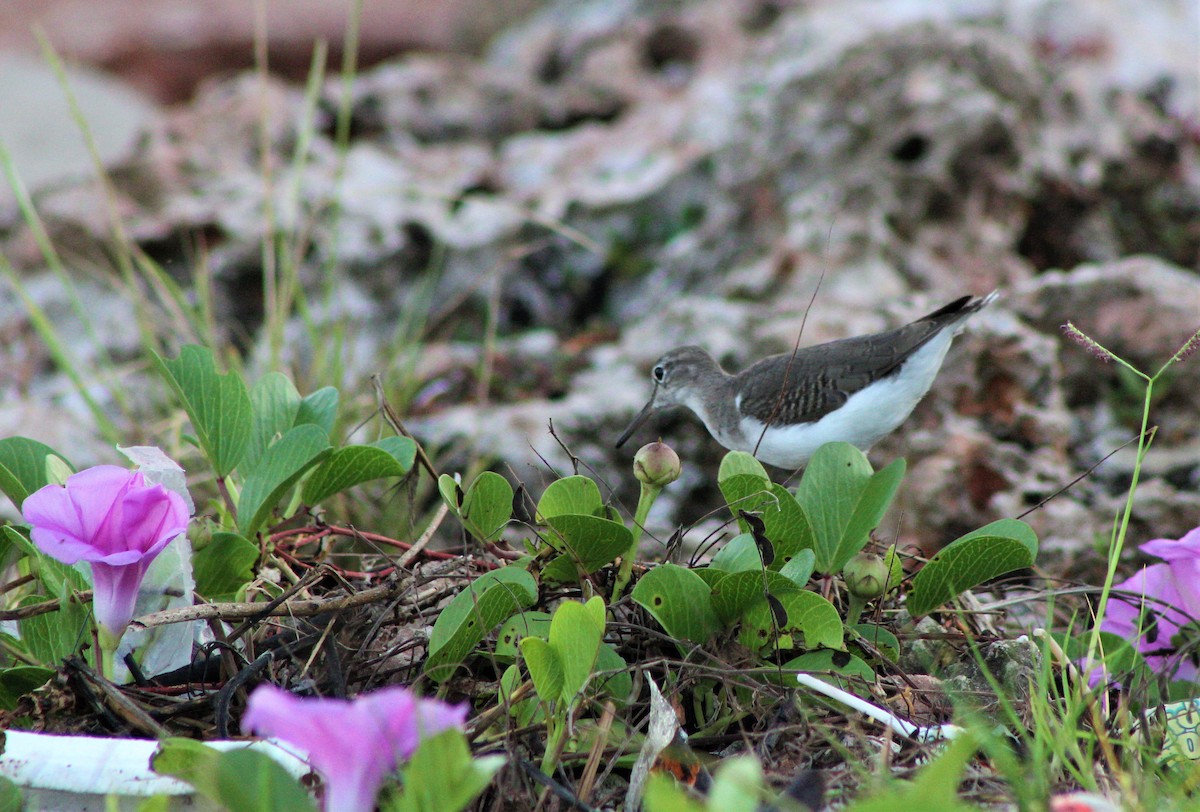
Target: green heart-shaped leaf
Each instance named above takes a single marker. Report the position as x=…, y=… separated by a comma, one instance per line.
x=619, y=685
x=785, y=521
x=224, y=566
x=545, y=668
x=986, y=553
x=680, y=601
x=878, y=638
x=736, y=463
x=217, y=404
x=319, y=409
x=800, y=569
x=472, y=614
x=807, y=613
x=572, y=494
x=50, y=638
x=237, y=779
x=354, y=464
x=590, y=541
x=734, y=594
x=452, y=493
x=487, y=505
x=274, y=402
x=442, y=775
x=23, y=467
x=710, y=575
x=829, y=662
x=740, y=553
x=278, y=469
x=575, y=636
x=517, y=627
x=844, y=501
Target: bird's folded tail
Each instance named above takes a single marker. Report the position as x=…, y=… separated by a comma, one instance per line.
x=961, y=307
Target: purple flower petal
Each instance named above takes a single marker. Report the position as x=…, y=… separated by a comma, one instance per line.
x=1152, y=619
x=432, y=717
x=150, y=521
x=64, y=519
x=114, y=593
x=110, y=517
x=1186, y=548
x=1183, y=556
x=354, y=744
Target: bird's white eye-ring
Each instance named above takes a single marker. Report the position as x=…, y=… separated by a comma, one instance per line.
x=659, y=373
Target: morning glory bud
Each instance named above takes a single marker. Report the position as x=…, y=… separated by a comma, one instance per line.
x=866, y=576
x=656, y=464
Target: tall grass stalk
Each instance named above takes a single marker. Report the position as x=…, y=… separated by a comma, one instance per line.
x=63, y=358
x=269, y=249
x=1145, y=438
x=341, y=143
x=123, y=248
x=129, y=256
x=138, y=275
x=328, y=339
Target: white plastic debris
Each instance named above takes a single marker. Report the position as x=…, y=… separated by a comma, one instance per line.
x=901, y=726
x=77, y=773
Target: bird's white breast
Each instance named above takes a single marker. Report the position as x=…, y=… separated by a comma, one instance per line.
x=862, y=420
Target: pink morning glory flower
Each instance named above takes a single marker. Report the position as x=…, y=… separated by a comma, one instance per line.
x=1170, y=601
x=354, y=744
x=109, y=517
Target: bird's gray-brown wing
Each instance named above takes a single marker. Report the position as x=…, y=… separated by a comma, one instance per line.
x=787, y=389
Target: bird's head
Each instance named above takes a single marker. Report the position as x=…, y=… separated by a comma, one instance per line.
x=678, y=377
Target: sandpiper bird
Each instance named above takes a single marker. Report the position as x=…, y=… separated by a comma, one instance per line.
x=782, y=408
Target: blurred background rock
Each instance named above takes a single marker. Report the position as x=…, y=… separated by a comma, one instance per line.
x=537, y=199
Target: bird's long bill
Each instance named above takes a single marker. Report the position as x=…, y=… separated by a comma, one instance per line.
x=646, y=411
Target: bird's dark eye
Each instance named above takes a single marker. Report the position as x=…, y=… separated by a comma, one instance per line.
x=659, y=373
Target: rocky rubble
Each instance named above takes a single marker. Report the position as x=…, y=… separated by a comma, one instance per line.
x=611, y=180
